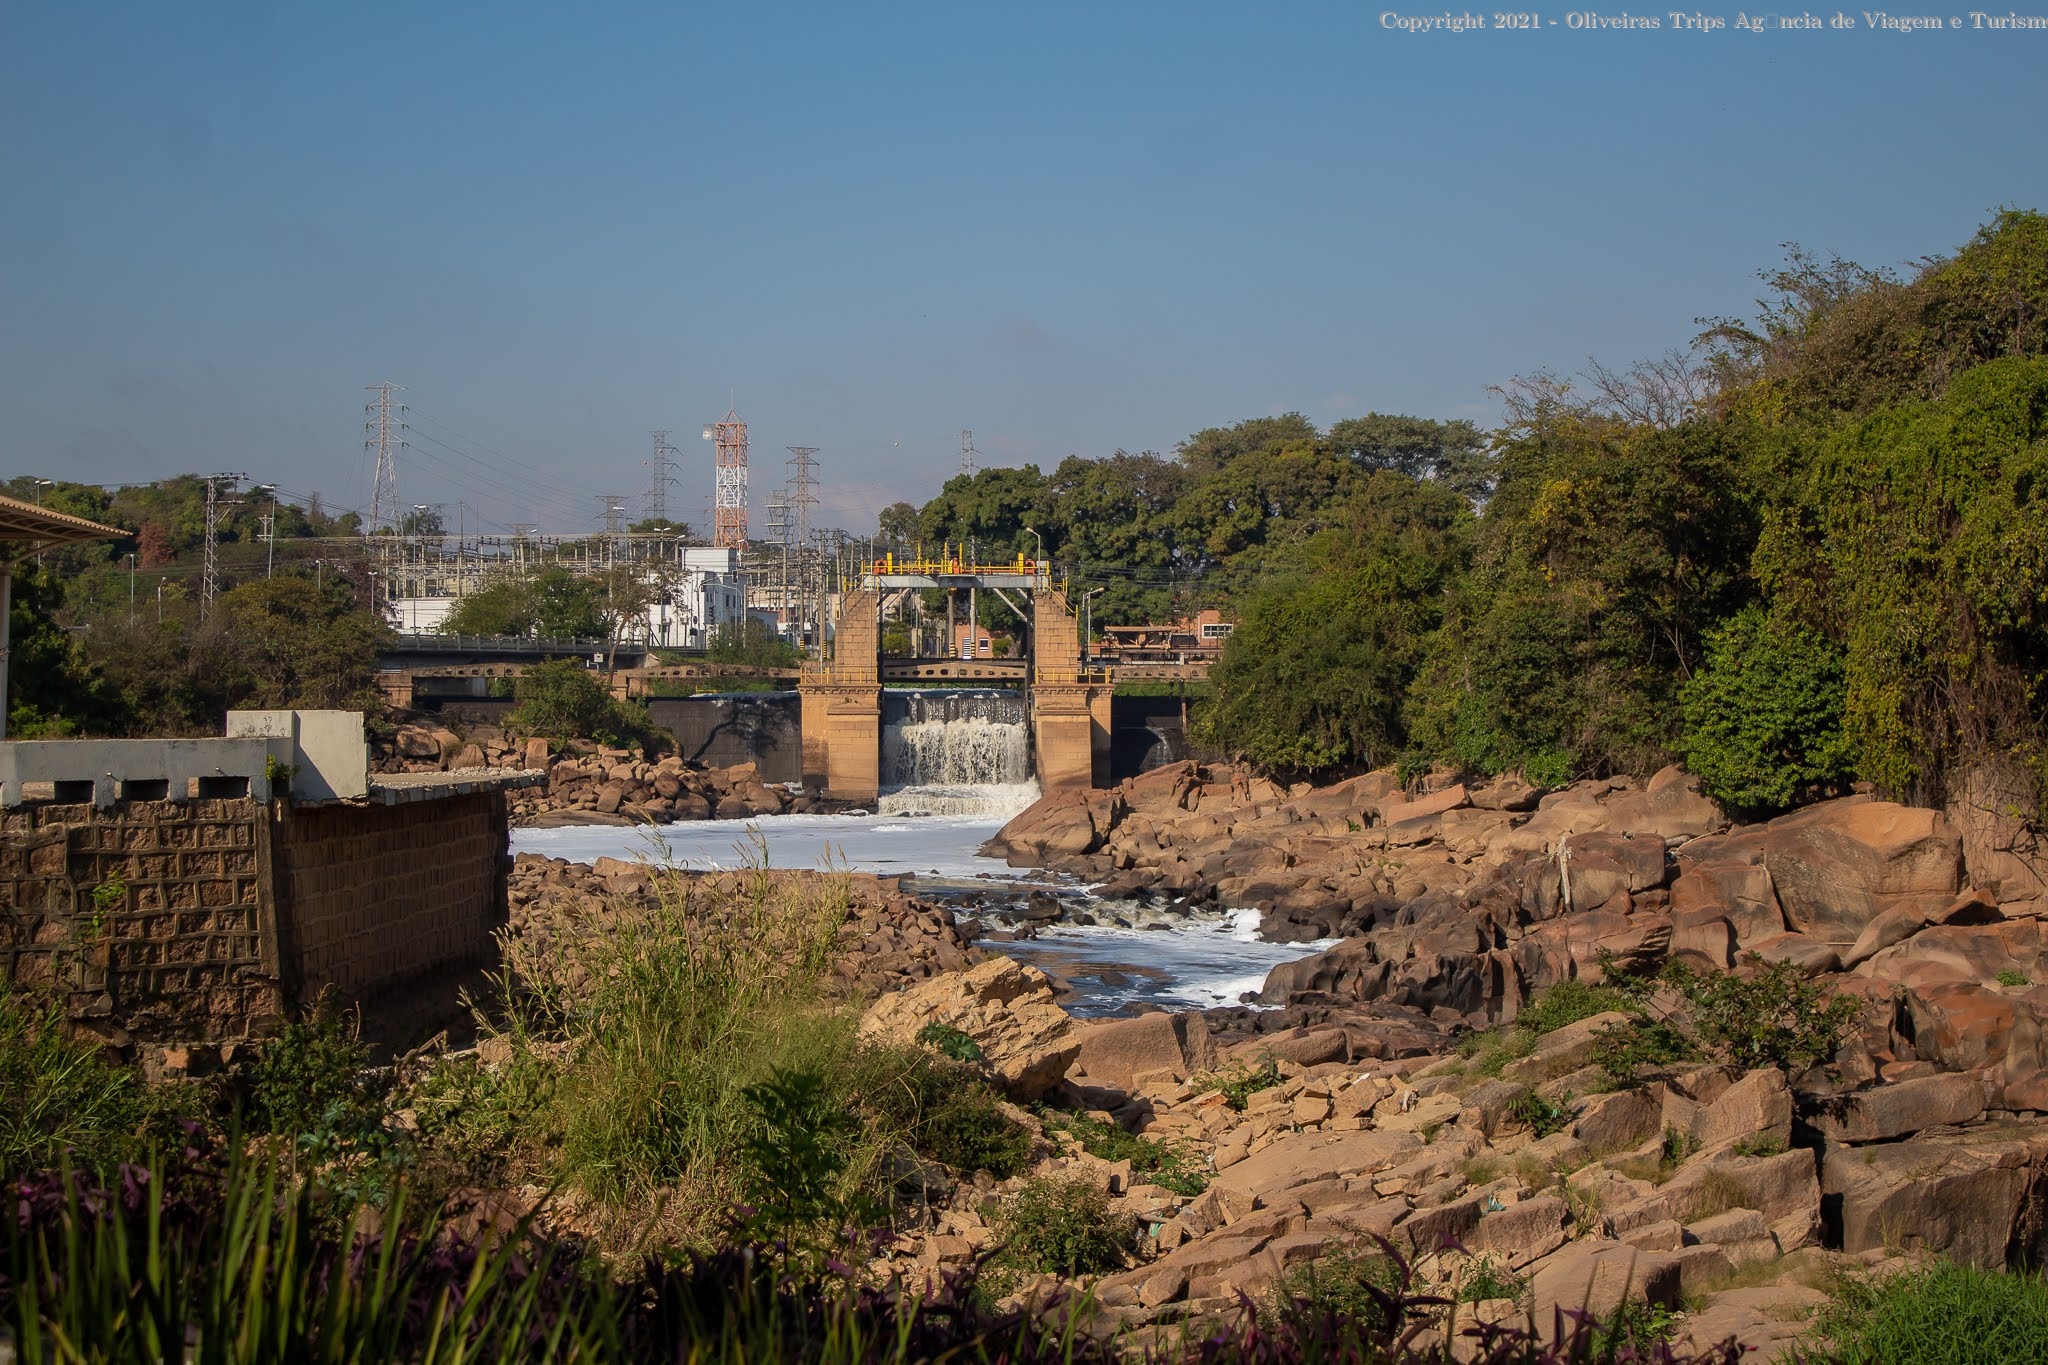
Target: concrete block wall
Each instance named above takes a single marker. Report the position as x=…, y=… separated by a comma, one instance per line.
x=149, y=918
x=378, y=898
x=209, y=920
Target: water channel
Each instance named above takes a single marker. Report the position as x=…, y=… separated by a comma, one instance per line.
x=1175, y=963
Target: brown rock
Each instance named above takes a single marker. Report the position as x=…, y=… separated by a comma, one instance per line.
x=1890, y=1111
x=1300, y=1158
x=1004, y=1005
x=1840, y=864
x=1596, y=1276
x=1116, y=1051
x=1970, y=1196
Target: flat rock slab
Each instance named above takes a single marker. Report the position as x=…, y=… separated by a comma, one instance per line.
x=1305, y=1157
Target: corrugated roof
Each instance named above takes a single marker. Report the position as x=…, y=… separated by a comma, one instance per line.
x=26, y=521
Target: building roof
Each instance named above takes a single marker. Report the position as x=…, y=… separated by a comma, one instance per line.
x=44, y=527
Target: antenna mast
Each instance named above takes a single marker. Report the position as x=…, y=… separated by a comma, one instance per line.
x=729, y=503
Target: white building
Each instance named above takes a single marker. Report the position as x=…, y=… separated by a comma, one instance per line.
x=701, y=589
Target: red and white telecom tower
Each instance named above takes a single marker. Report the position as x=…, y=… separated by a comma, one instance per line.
x=729, y=501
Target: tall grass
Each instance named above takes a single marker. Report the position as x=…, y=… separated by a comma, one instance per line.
x=61, y=1095
x=234, y=1263
x=630, y=1058
x=1940, y=1314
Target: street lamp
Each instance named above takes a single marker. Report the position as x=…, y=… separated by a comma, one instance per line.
x=1032, y=531
x=40, y=485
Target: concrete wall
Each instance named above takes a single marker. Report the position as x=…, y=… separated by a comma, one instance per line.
x=723, y=729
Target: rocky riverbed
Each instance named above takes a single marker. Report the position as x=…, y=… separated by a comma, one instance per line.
x=1383, y=1086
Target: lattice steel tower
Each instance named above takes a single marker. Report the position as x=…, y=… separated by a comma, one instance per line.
x=657, y=491
x=729, y=500
x=386, y=427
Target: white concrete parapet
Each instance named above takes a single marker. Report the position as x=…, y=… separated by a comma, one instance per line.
x=103, y=771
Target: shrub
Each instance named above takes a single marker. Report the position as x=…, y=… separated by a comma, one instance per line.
x=1764, y=714
x=2009, y=977
x=561, y=699
x=1623, y=1050
x=1062, y=1227
x=309, y=1080
x=1772, y=1017
x=794, y=1184
x=1543, y=1116
x=1167, y=1165
x=64, y=1100
x=1355, y=1284
x=948, y=1041
x=945, y=1110
x=1570, y=1001
x=1240, y=1083
x=1941, y=1314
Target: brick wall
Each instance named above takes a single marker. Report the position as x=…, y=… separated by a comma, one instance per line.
x=374, y=899
x=150, y=918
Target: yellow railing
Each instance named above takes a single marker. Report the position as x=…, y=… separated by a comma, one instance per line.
x=951, y=564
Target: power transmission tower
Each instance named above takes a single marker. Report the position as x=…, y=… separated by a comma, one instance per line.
x=967, y=451
x=657, y=491
x=209, y=578
x=614, y=520
x=729, y=501
x=386, y=438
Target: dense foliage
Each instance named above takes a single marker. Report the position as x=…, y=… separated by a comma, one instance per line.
x=1808, y=550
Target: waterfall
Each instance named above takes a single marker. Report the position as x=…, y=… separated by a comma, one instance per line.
x=952, y=751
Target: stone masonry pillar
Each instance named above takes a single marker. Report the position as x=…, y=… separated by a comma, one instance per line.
x=842, y=706
x=1068, y=708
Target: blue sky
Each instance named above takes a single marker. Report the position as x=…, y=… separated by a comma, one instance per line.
x=1071, y=228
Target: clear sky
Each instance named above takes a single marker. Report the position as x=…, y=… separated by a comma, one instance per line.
x=1070, y=228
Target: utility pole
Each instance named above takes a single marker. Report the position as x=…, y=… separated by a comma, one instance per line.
x=270, y=532
x=386, y=427
x=803, y=497
x=209, y=579
x=131, y=587
x=657, y=491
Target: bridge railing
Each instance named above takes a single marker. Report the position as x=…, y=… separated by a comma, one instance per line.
x=841, y=675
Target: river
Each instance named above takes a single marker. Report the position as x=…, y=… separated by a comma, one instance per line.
x=1186, y=963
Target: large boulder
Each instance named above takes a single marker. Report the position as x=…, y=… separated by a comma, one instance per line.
x=1890, y=1111
x=1596, y=1276
x=1671, y=806
x=1008, y=1009
x=1117, y=1051
x=1838, y=865
x=1975, y=1196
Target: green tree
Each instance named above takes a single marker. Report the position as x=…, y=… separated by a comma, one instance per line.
x=1763, y=717
x=753, y=641
x=287, y=642
x=51, y=688
x=1213, y=449
x=1451, y=453
x=1316, y=672
x=561, y=699
x=1919, y=541
x=505, y=606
